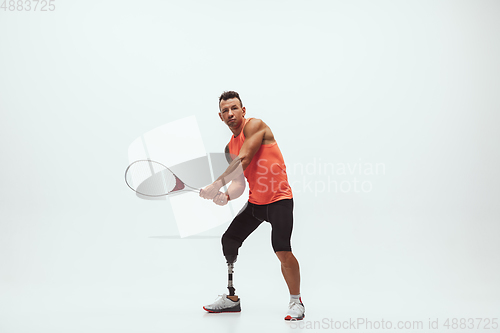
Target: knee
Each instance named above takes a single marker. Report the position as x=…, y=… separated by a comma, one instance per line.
x=230, y=248
x=286, y=257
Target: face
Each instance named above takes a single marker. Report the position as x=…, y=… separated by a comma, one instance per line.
x=231, y=112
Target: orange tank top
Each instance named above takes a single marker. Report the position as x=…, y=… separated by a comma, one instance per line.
x=266, y=173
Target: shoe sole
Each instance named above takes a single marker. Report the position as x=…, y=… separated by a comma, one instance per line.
x=221, y=311
x=288, y=318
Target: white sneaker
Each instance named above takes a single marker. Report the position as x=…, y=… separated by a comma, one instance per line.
x=223, y=304
x=296, y=311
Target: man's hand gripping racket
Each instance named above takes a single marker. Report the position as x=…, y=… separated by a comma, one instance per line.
x=212, y=192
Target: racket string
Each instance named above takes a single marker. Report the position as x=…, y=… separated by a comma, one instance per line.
x=151, y=178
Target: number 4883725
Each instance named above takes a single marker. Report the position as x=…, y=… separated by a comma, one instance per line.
x=28, y=5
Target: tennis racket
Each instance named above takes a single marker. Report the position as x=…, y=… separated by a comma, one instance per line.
x=153, y=179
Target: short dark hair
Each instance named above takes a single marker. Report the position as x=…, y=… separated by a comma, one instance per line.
x=228, y=95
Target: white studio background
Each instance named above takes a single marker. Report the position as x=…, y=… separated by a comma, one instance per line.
x=409, y=87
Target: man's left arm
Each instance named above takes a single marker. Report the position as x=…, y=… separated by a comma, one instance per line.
x=254, y=132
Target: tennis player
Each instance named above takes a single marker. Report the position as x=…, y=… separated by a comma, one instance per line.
x=258, y=158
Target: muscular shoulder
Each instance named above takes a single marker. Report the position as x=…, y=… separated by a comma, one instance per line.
x=254, y=125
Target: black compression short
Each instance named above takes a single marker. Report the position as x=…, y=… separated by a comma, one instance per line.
x=279, y=214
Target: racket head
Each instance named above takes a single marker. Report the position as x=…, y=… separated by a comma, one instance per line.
x=153, y=179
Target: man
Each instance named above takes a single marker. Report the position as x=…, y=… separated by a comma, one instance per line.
x=258, y=157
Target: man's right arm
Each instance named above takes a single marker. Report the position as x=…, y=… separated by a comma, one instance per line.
x=255, y=132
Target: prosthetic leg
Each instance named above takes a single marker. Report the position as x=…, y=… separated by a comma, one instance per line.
x=231, y=302
x=226, y=303
x=231, y=259
x=230, y=279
